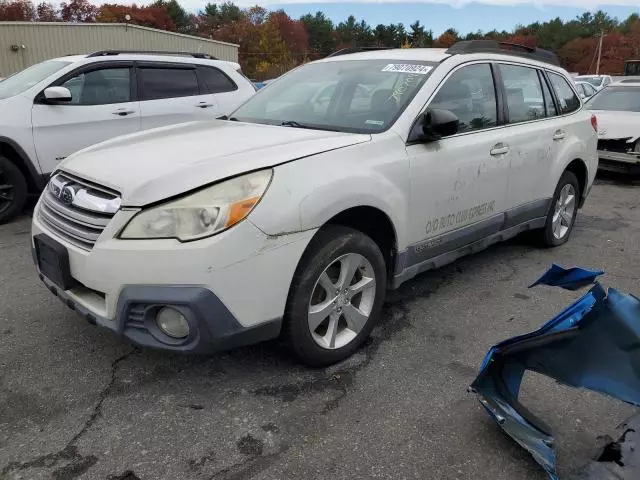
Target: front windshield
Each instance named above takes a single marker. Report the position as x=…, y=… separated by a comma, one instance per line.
x=621, y=99
x=27, y=78
x=595, y=81
x=363, y=96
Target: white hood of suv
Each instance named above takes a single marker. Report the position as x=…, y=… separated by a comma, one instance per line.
x=158, y=164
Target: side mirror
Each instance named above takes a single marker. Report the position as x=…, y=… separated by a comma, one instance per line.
x=57, y=94
x=433, y=125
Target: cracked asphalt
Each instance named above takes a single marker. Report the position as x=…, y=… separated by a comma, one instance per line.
x=77, y=402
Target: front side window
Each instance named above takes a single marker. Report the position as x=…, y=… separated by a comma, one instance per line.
x=569, y=101
x=525, y=100
x=620, y=99
x=216, y=81
x=365, y=96
x=100, y=87
x=22, y=81
x=159, y=83
x=470, y=94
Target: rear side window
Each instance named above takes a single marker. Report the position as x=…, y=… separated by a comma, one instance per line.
x=569, y=101
x=549, y=105
x=157, y=83
x=525, y=99
x=216, y=81
x=470, y=94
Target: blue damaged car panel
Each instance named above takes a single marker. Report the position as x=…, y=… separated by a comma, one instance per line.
x=594, y=343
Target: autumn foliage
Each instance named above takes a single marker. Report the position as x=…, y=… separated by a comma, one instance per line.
x=271, y=42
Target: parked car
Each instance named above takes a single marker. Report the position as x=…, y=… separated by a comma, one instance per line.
x=598, y=81
x=60, y=106
x=293, y=217
x=617, y=108
x=585, y=90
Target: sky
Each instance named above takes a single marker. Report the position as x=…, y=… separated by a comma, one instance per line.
x=438, y=15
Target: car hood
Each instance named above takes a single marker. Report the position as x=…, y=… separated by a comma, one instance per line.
x=157, y=164
x=613, y=125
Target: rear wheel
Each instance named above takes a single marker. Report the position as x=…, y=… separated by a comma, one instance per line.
x=13, y=190
x=564, y=209
x=336, y=296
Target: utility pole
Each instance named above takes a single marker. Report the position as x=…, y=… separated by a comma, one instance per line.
x=599, y=52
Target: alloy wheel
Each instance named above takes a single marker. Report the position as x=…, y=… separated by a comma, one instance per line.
x=563, y=213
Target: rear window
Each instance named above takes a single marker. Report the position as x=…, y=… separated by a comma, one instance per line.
x=569, y=101
x=160, y=83
x=621, y=99
x=216, y=81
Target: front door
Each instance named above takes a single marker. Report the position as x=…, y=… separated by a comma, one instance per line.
x=101, y=107
x=459, y=183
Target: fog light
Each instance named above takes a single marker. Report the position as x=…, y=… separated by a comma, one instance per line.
x=171, y=322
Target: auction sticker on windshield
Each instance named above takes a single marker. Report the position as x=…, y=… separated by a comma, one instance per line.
x=407, y=68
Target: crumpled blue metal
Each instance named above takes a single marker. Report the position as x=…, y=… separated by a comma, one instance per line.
x=594, y=343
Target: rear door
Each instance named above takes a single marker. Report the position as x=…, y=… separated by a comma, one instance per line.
x=220, y=91
x=103, y=105
x=530, y=136
x=172, y=93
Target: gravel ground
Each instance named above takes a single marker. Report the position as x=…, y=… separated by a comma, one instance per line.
x=77, y=402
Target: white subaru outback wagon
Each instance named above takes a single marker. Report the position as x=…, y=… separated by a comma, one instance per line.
x=343, y=178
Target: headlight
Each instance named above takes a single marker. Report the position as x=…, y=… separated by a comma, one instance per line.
x=201, y=214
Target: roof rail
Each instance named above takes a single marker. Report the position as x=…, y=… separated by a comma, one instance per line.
x=348, y=50
x=506, y=48
x=107, y=53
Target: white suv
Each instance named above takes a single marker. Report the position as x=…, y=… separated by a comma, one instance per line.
x=57, y=107
x=340, y=179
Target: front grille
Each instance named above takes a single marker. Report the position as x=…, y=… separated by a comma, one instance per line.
x=79, y=225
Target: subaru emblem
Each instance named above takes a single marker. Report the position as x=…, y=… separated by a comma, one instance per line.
x=67, y=195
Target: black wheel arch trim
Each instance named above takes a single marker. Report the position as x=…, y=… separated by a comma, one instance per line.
x=39, y=179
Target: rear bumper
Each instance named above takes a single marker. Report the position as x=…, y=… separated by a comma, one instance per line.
x=618, y=162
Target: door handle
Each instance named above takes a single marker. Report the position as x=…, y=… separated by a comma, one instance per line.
x=560, y=135
x=123, y=112
x=204, y=105
x=499, y=149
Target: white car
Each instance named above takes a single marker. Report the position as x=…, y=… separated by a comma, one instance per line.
x=293, y=218
x=57, y=107
x=597, y=81
x=585, y=90
x=617, y=108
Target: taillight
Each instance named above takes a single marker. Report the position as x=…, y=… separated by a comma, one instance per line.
x=594, y=122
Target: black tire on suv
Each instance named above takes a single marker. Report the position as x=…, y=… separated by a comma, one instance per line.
x=13, y=190
x=339, y=286
x=562, y=214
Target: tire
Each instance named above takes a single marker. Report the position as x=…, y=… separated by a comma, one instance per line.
x=333, y=252
x=552, y=235
x=13, y=190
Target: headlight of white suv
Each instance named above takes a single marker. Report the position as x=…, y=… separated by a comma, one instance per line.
x=201, y=214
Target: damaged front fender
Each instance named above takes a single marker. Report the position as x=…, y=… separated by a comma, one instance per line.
x=593, y=344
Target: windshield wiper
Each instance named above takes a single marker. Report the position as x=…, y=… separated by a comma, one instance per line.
x=294, y=124
x=226, y=117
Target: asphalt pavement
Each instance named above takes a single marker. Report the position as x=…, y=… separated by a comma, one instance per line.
x=78, y=402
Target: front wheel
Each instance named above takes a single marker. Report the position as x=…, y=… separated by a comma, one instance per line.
x=336, y=296
x=13, y=190
x=564, y=209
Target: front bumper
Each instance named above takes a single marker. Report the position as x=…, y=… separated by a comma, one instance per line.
x=618, y=162
x=232, y=287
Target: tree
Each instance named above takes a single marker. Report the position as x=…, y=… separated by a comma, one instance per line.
x=180, y=18
x=293, y=33
x=320, y=30
x=46, y=12
x=17, y=10
x=81, y=11
x=446, y=40
x=419, y=37
x=257, y=15
x=154, y=17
